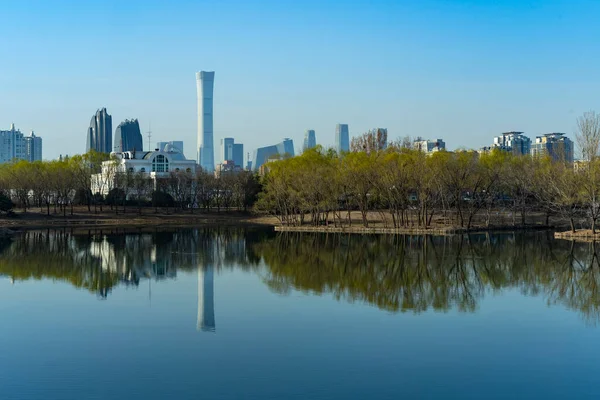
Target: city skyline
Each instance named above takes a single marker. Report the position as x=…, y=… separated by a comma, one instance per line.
x=454, y=68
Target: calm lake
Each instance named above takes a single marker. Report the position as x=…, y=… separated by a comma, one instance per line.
x=250, y=314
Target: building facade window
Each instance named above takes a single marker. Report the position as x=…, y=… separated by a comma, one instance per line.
x=160, y=163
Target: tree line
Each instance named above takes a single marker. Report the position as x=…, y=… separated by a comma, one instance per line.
x=59, y=185
x=410, y=188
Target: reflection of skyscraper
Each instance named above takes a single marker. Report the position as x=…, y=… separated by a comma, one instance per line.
x=204, y=84
x=206, y=302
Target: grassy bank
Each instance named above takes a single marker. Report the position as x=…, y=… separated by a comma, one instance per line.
x=146, y=217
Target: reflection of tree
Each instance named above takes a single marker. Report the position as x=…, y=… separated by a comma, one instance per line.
x=413, y=273
x=100, y=260
x=395, y=273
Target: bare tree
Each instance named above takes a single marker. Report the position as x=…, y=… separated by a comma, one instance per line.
x=588, y=135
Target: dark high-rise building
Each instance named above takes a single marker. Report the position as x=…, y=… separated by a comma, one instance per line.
x=128, y=136
x=99, y=134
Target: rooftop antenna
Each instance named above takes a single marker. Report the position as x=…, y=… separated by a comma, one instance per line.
x=149, y=136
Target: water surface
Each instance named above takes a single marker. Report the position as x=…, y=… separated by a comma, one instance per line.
x=231, y=314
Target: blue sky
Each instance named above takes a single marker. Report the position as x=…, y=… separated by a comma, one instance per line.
x=461, y=70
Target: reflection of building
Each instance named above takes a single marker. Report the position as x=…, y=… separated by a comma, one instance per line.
x=429, y=146
x=556, y=145
x=342, y=138
x=206, y=302
x=99, y=134
x=278, y=151
x=310, y=140
x=204, y=85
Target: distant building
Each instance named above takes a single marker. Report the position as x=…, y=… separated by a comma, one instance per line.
x=555, y=145
x=231, y=151
x=429, y=146
x=99, y=134
x=310, y=140
x=238, y=154
x=227, y=167
x=342, y=138
x=128, y=137
x=33, y=147
x=227, y=149
x=280, y=150
x=153, y=164
x=206, y=153
x=173, y=145
x=373, y=140
x=513, y=142
x=12, y=145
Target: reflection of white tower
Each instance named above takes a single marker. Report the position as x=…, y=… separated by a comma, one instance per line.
x=206, y=302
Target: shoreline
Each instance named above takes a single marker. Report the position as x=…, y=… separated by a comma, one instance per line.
x=408, y=231
x=106, y=220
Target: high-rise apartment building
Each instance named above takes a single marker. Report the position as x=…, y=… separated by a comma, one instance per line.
x=342, y=138
x=205, y=85
x=514, y=142
x=12, y=145
x=128, y=137
x=99, y=134
x=33, y=147
x=310, y=140
x=555, y=145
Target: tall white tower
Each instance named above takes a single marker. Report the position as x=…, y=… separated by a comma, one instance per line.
x=206, y=154
x=206, y=300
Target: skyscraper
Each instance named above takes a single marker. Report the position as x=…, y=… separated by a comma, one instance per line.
x=342, y=138
x=238, y=154
x=310, y=140
x=33, y=147
x=99, y=134
x=227, y=149
x=128, y=136
x=204, y=85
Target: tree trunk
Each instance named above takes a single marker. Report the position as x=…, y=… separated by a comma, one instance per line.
x=572, y=224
